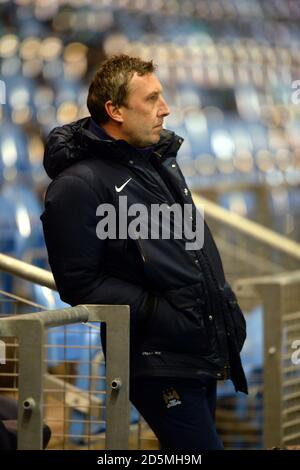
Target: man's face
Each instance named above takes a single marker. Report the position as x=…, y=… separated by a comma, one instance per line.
x=144, y=112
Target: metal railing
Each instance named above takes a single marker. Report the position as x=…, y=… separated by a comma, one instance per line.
x=27, y=271
x=248, y=228
x=30, y=331
x=64, y=397
x=264, y=269
x=281, y=304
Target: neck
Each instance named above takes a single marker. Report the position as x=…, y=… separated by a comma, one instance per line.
x=113, y=129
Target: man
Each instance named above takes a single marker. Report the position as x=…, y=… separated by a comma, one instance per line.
x=186, y=327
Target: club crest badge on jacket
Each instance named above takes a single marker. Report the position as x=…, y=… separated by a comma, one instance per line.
x=171, y=397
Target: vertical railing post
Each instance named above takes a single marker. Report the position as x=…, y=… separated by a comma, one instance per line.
x=117, y=373
x=271, y=295
x=31, y=373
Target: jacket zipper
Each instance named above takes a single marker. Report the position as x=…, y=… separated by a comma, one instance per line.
x=141, y=250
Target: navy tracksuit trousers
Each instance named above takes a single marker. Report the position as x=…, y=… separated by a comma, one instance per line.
x=180, y=411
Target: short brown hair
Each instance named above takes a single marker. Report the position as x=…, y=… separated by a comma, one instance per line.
x=111, y=82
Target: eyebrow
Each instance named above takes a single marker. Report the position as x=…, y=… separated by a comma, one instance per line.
x=155, y=92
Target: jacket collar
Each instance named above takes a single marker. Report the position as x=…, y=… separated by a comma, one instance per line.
x=75, y=142
x=91, y=133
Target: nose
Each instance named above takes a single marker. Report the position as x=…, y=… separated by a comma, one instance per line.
x=163, y=109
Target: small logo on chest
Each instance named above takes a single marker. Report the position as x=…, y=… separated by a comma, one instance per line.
x=118, y=189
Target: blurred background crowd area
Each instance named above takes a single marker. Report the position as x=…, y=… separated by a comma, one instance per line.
x=230, y=71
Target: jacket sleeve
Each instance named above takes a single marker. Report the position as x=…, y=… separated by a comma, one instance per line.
x=76, y=254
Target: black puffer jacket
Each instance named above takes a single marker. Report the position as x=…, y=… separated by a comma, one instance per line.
x=185, y=320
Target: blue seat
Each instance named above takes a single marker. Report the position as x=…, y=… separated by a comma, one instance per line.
x=26, y=233
x=248, y=200
x=13, y=153
x=6, y=246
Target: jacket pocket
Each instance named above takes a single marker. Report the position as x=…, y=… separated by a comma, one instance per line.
x=181, y=330
x=237, y=323
x=186, y=296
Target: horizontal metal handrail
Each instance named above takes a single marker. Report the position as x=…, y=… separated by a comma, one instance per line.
x=248, y=285
x=27, y=271
x=64, y=316
x=249, y=228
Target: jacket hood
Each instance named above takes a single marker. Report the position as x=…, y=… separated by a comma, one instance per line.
x=71, y=143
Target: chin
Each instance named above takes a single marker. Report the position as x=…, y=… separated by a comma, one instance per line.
x=155, y=139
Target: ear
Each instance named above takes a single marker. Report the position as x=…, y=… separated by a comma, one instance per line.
x=114, y=111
